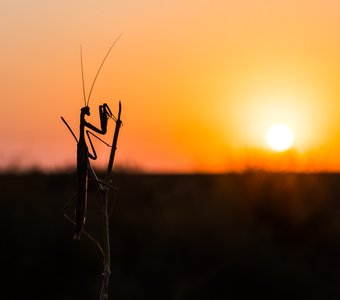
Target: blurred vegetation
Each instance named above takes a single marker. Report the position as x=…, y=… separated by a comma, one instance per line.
x=233, y=236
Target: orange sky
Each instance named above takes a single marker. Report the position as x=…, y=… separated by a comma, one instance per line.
x=200, y=81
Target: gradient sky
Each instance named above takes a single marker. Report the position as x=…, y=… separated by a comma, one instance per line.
x=200, y=81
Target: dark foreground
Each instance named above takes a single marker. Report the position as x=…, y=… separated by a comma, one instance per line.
x=265, y=236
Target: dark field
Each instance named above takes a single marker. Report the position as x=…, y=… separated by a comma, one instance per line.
x=257, y=235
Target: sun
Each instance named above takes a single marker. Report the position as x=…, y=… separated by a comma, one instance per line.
x=279, y=137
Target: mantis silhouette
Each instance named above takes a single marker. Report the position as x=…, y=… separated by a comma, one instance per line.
x=84, y=169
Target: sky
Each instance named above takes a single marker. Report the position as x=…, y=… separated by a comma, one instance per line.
x=200, y=82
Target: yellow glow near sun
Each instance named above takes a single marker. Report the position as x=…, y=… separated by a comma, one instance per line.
x=279, y=137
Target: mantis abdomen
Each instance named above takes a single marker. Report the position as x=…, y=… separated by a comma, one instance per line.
x=82, y=180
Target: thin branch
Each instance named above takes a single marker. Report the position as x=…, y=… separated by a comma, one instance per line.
x=105, y=196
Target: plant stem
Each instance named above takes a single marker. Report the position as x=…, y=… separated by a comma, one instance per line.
x=114, y=145
x=106, y=246
x=105, y=196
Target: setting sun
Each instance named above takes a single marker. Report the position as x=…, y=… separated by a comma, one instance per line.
x=279, y=137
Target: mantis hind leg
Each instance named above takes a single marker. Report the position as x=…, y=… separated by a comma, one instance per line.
x=93, y=177
x=66, y=206
x=89, y=236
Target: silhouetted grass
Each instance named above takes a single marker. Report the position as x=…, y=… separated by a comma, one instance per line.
x=235, y=236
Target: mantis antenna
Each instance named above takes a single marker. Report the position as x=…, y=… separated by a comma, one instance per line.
x=100, y=67
x=82, y=73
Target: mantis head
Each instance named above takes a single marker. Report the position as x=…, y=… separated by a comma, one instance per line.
x=85, y=110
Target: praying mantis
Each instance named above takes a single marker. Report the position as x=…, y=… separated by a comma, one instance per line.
x=84, y=169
